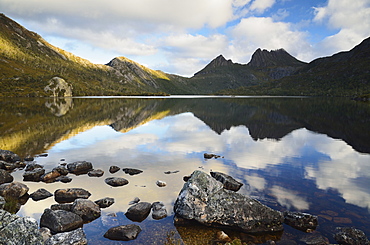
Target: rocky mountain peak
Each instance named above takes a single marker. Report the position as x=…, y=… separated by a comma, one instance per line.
x=279, y=57
x=215, y=63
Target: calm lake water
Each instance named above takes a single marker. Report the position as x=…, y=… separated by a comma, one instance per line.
x=298, y=154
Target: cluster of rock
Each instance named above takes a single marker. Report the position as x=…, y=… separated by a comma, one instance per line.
x=213, y=201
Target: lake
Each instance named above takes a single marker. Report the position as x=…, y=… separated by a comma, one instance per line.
x=291, y=153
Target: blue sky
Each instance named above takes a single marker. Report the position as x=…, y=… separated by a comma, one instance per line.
x=181, y=37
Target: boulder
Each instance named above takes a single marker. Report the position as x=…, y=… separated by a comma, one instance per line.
x=18, y=230
x=40, y=194
x=62, y=206
x=204, y=199
x=32, y=166
x=138, y=212
x=123, y=232
x=132, y=171
x=13, y=190
x=116, y=181
x=60, y=220
x=9, y=156
x=159, y=210
x=79, y=167
x=301, y=221
x=70, y=194
x=350, y=236
x=86, y=209
x=95, y=173
x=50, y=176
x=229, y=182
x=114, y=169
x=75, y=237
x=105, y=202
x=33, y=175
x=5, y=177
x=61, y=170
x=58, y=87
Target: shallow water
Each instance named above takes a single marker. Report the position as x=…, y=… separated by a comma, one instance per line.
x=298, y=154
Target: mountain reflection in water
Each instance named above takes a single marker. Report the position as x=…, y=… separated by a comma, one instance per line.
x=298, y=154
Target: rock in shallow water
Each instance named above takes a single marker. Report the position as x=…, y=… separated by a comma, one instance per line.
x=116, y=181
x=86, y=209
x=79, y=167
x=105, y=202
x=5, y=177
x=71, y=194
x=40, y=194
x=60, y=220
x=159, y=210
x=205, y=200
x=138, y=212
x=123, y=232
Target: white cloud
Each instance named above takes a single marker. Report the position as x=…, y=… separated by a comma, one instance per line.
x=261, y=5
x=263, y=32
x=350, y=18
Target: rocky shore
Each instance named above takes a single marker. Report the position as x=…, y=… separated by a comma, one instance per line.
x=207, y=199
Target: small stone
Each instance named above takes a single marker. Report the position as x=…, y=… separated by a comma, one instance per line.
x=95, y=173
x=116, y=181
x=114, y=169
x=161, y=183
x=105, y=202
x=64, y=179
x=136, y=200
x=123, y=232
x=132, y=171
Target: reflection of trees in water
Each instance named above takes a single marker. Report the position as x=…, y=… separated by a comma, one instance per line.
x=59, y=106
x=28, y=127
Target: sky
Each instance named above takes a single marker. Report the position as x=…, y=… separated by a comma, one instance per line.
x=181, y=37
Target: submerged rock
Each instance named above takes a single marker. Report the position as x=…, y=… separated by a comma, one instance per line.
x=350, y=236
x=40, y=194
x=138, y=212
x=18, y=230
x=71, y=194
x=229, y=182
x=123, y=232
x=60, y=220
x=204, y=199
x=75, y=237
x=301, y=221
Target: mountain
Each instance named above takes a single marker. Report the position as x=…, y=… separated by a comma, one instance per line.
x=28, y=63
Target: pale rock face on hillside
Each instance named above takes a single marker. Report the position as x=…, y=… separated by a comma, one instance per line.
x=58, y=87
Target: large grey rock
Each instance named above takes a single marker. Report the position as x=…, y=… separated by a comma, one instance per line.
x=123, y=232
x=58, y=87
x=79, y=167
x=70, y=194
x=350, y=236
x=138, y=212
x=5, y=177
x=33, y=175
x=15, y=230
x=229, y=182
x=13, y=190
x=9, y=156
x=86, y=209
x=60, y=220
x=75, y=237
x=204, y=199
